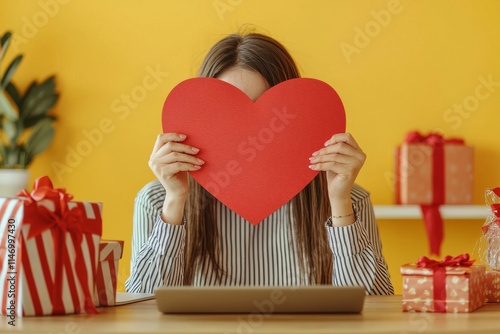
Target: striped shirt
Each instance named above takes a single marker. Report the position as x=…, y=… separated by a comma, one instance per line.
x=259, y=255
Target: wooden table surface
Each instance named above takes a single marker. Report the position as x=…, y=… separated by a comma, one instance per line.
x=381, y=314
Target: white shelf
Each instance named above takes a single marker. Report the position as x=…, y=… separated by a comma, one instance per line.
x=447, y=211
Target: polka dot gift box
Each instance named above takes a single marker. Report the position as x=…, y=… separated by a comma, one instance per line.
x=493, y=286
x=453, y=285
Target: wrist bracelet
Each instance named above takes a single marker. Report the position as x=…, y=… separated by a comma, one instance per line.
x=349, y=215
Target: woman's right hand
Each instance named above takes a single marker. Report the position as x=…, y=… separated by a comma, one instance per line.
x=171, y=160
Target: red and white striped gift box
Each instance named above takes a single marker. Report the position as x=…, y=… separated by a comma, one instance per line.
x=48, y=260
x=110, y=253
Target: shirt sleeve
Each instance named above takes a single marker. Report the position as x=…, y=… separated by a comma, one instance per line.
x=357, y=252
x=157, y=247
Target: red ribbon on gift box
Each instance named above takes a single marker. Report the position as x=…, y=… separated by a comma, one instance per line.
x=439, y=275
x=437, y=142
x=61, y=221
x=495, y=208
x=430, y=212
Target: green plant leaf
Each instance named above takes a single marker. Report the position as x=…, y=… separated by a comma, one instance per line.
x=11, y=130
x=12, y=157
x=39, y=99
x=49, y=83
x=41, y=108
x=40, y=137
x=23, y=158
x=4, y=44
x=14, y=93
x=7, y=106
x=35, y=87
x=35, y=119
x=3, y=155
x=10, y=71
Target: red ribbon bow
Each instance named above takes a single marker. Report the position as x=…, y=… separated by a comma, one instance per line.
x=439, y=275
x=495, y=209
x=433, y=138
x=461, y=260
x=61, y=221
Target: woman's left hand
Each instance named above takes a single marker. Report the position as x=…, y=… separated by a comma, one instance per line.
x=342, y=159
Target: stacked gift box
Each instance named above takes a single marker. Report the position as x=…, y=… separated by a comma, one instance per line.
x=110, y=253
x=52, y=258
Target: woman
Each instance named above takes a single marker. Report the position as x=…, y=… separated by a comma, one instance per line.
x=327, y=234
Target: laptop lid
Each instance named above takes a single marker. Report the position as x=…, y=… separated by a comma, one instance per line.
x=256, y=299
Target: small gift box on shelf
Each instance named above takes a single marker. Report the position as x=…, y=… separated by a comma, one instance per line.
x=433, y=170
x=107, y=272
x=453, y=285
x=49, y=252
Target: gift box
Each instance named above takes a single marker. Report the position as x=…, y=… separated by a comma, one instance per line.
x=453, y=285
x=110, y=253
x=434, y=170
x=48, y=252
x=492, y=283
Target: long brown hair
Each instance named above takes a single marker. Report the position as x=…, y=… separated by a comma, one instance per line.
x=310, y=208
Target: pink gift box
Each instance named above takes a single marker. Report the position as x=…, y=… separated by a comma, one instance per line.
x=464, y=289
x=48, y=261
x=415, y=165
x=492, y=286
x=110, y=253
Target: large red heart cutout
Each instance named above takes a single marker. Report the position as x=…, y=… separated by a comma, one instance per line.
x=256, y=153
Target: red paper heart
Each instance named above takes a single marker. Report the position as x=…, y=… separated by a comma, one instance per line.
x=256, y=154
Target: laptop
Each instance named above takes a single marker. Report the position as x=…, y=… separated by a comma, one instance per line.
x=256, y=299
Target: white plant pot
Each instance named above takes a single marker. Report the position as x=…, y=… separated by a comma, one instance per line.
x=12, y=181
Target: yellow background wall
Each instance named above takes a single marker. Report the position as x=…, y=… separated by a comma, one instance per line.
x=416, y=60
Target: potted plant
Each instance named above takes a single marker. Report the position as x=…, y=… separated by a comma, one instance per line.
x=26, y=128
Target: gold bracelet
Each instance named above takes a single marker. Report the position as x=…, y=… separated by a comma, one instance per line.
x=349, y=215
